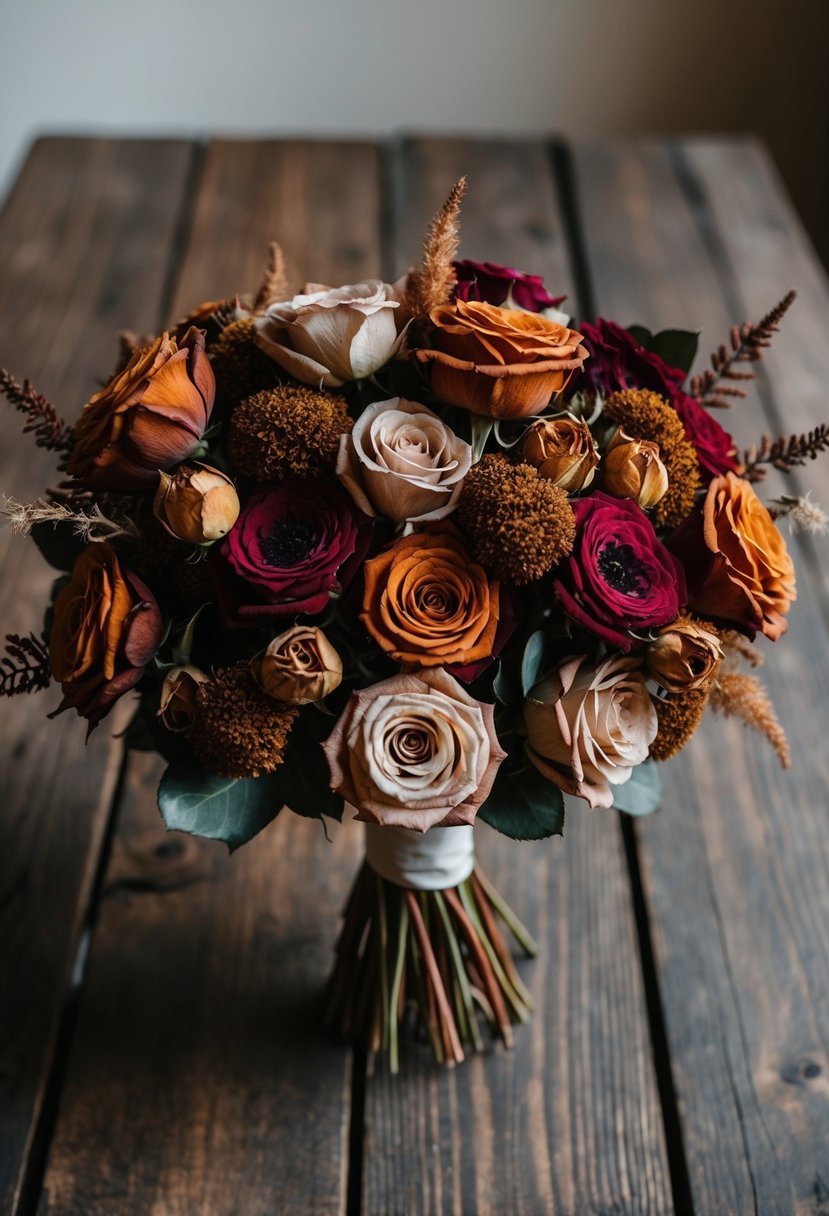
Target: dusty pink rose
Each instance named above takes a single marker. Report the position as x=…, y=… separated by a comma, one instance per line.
x=588, y=727
x=415, y=751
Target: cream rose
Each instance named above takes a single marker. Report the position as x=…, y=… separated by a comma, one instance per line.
x=588, y=727
x=300, y=666
x=330, y=335
x=401, y=461
x=414, y=752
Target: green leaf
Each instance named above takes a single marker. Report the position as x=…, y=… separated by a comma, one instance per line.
x=219, y=808
x=532, y=660
x=58, y=544
x=640, y=334
x=678, y=347
x=641, y=794
x=304, y=778
x=524, y=806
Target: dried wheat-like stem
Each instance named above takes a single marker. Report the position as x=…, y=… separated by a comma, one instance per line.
x=735, y=694
x=49, y=430
x=801, y=513
x=91, y=525
x=748, y=342
x=274, y=287
x=737, y=646
x=25, y=667
x=784, y=453
x=430, y=284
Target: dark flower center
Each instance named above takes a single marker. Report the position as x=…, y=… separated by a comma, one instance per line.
x=622, y=570
x=288, y=542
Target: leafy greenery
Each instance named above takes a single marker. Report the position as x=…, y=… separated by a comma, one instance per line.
x=219, y=808
x=641, y=794
x=524, y=805
x=676, y=347
x=58, y=544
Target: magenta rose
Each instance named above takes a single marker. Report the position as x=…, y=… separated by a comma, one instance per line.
x=489, y=283
x=715, y=448
x=619, y=576
x=293, y=545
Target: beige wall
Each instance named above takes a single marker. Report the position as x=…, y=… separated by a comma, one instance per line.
x=582, y=67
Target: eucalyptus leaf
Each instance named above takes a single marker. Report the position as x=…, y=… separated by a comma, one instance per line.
x=640, y=795
x=532, y=662
x=677, y=347
x=229, y=809
x=58, y=544
x=304, y=778
x=524, y=806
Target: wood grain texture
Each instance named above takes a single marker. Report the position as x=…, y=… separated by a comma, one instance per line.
x=85, y=239
x=737, y=866
x=202, y=1080
x=569, y=1121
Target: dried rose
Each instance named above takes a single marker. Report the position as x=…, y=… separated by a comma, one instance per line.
x=300, y=666
x=684, y=656
x=197, y=504
x=588, y=727
x=563, y=451
x=632, y=468
x=177, y=705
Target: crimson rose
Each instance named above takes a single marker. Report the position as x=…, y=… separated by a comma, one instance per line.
x=489, y=283
x=715, y=448
x=295, y=544
x=618, y=576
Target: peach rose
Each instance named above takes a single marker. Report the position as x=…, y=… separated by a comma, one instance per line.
x=588, y=727
x=684, y=656
x=150, y=416
x=428, y=604
x=563, y=451
x=198, y=504
x=403, y=462
x=633, y=469
x=499, y=362
x=415, y=751
x=300, y=666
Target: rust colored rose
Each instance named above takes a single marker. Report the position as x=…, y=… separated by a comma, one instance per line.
x=428, y=604
x=177, y=705
x=684, y=656
x=500, y=362
x=633, y=469
x=300, y=666
x=563, y=451
x=106, y=628
x=150, y=416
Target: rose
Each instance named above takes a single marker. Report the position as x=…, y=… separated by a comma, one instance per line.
x=714, y=446
x=149, y=417
x=563, y=451
x=633, y=469
x=684, y=656
x=738, y=565
x=491, y=283
x=500, y=362
x=403, y=462
x=105, y=629
x=300, y=666
x=428, y=604
x=588, y=727
x=295, y=544
x=331, y=335
x=415, y=751
x=619, y=577
x=197, y=504
x=177, y=704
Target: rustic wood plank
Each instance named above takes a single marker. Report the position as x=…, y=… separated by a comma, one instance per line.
x=736, y=868
x=68, y=242
x=570, y=1120
x=202, y=1079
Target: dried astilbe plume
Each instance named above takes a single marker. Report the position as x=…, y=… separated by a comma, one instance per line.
x=801, y=513
x=678, y=716
x=738, y=695
x=240, y=367
x=784, y=453
x=89, y=524
x=239, y=730
x=748, y=342
x=289, y=429
x=430, y=284
x=25, y=667
x=274, y=287
x=737, y=646
x=520, y=525
x=646, y=415
x=43, y=422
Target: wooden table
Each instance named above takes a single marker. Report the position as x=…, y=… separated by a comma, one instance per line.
x=159, y=1045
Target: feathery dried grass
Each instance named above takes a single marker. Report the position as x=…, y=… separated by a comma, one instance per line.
x=430, y=284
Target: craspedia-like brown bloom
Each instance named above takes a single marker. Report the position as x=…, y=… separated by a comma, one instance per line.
x=646, y=415
x=679, y=717
x=286, y=430
x=240, y=367
x=520, y=525
x=239, y=731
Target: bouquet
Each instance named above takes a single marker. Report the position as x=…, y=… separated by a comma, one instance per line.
x=429, y=552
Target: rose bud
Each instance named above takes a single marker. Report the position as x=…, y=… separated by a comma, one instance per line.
x=633, y=469
x=564, y=452
x=300, y=666
x=197, y=504
x=177, y=706
x=684, y=656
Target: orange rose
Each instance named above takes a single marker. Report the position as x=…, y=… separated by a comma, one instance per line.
x=427, y=604
x=106, y=628
x=500, y=362
x=751, y=581
x=149, y=417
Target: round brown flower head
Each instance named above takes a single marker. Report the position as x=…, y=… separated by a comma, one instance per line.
x=646, y=415
x=520, y=524
x=239, y=730
x=240, y=367
x=679, y=716
x=285, y=430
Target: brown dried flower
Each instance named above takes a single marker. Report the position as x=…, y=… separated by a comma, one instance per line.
x=286, y=430
x=633, y=469
x=684, y=656
x=563, y=450
x=679, y=716
x=240, y=367
x=239, y=730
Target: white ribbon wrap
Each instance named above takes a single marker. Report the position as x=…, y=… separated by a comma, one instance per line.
x=423, y=861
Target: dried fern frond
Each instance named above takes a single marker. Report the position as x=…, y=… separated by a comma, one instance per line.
x=49, y=430
x=748, y=341
x=430, y=284
x=90, y=525
x=784, y=453
x=275, y=283
x=737, y=695
x=25, y=667
x=801, y=513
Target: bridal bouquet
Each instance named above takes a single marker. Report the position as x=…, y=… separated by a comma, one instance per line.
x=422, y=550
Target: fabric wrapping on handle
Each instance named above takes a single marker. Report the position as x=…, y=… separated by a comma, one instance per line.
x=422, y=861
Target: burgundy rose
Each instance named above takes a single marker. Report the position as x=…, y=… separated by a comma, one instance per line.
x=294, y=545
x=619, y=577
x=489, y=283
x=715, y=448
